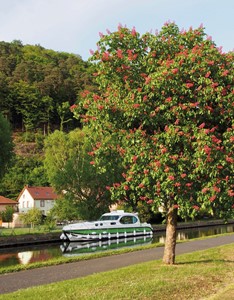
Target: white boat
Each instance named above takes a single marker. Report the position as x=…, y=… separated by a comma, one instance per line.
x=116, y=224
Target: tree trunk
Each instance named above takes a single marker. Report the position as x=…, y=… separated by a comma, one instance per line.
x=170, y=243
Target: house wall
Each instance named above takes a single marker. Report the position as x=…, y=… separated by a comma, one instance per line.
x=44, y=205
x=26, y=202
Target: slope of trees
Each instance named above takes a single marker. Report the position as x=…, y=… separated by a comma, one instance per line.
x=166, y=103
x=6, y=145
x=36, y=82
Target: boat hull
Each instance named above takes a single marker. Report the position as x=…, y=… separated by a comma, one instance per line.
x=104, y=234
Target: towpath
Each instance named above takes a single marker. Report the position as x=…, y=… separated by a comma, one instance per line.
x=24, y=279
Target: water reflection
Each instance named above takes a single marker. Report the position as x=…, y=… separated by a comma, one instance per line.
x=75, y=248
x=44, y=252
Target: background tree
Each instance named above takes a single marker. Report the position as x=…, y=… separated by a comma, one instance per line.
x=33, y=217
x=23, y=171
x=166, y=102
x=7, y=214
x=6, y=145
x=70, y=166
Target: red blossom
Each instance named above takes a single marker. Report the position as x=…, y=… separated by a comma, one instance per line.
x=133, y=32
x=183, y=175
x=134, y=158
x=136, y=105
x=202, y=125
x=164, y=150
x=189, y=85
x=119, y=53
x=147, y=80
x=92, y=162
x=108, y=187
x=171, y=177
x=204, y=190
x=207, y=149
x=176, y=206
x=229, y=159
x=231, y=193
x=216, y=189
x=215, y=140
x=175, y=71
x=225, y=73
x=126, y=187
x=168, y=99
x=73, y=107
x=141, y=185
x=105, y=56
x=196, y=207
x=212, y=198
x=150, y=201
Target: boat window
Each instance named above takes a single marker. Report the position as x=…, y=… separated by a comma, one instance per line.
x=109, y=218
x=128, y=220
x=113, y=223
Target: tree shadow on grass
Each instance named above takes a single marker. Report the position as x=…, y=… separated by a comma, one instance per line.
x=205, y=261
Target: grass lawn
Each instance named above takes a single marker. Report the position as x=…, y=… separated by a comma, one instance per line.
x=207, y=274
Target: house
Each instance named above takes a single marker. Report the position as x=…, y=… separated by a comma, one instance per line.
x=4, y=202
x=39, y=197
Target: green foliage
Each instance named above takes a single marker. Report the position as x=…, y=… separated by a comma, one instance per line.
x=33, y=217
x=7, y=214
x=166, y=103
x=65, y=209
x=35, y=81
x=69, y=164
x=6, y=145
x=22, y=171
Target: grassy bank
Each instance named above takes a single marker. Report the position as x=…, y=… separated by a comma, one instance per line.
x=207, y=274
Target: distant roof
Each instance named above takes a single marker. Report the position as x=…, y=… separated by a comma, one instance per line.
x=41, y=193
x=7, y=201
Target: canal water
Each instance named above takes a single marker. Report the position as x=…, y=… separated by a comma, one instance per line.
x=30, y=254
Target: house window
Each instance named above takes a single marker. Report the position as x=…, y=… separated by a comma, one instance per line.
x=42, y=203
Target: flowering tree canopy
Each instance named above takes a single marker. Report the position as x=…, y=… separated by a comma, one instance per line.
x=166, y=101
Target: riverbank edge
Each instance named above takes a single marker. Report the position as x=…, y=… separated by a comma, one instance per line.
x=54, y=237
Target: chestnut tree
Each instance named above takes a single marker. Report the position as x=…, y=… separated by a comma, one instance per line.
x=166, y=104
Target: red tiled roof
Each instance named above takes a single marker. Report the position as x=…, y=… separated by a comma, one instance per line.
x=42, y=193
x=7, y=201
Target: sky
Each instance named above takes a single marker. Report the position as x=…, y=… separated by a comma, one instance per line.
x=73, y=26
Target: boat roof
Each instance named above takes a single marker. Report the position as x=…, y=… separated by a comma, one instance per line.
x=120, y=213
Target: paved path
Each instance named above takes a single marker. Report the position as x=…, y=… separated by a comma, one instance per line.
x=24, y=279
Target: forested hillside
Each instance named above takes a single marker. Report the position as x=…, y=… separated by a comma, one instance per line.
x=37, y=86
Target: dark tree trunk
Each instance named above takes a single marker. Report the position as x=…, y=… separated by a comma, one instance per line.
x=170, y=243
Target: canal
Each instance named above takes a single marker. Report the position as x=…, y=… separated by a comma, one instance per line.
x=30, y=254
